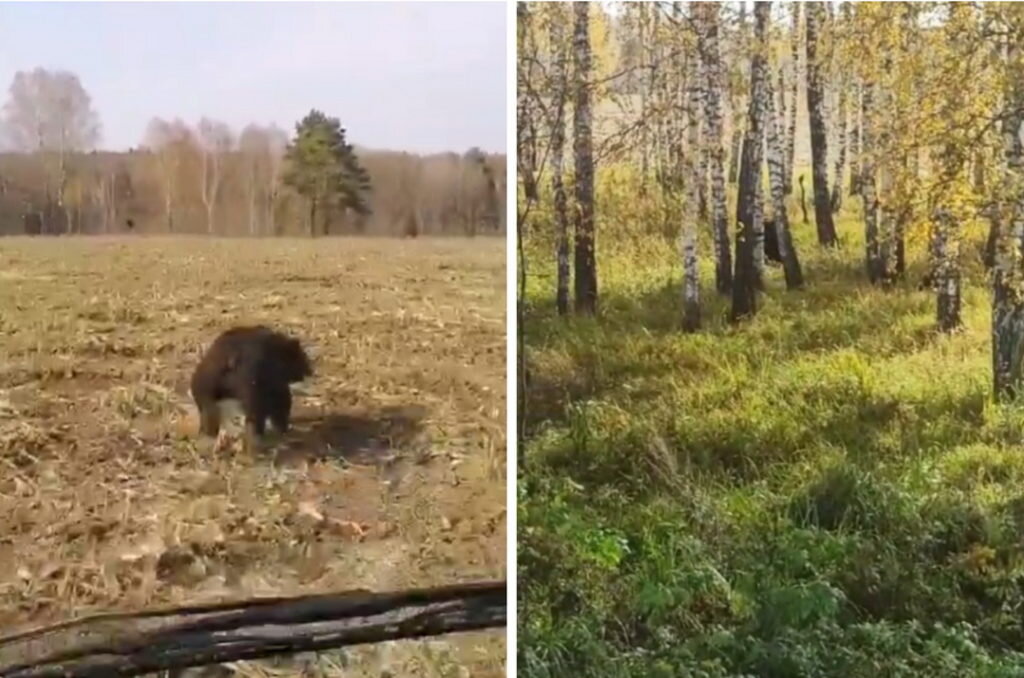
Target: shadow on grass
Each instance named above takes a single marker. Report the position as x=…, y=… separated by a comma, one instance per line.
x=365, y=438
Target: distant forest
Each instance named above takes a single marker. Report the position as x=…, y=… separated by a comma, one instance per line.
x=209, y=179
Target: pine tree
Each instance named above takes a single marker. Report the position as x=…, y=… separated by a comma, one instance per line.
x=325, y=170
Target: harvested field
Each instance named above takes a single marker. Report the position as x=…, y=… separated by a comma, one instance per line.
x=392, y=477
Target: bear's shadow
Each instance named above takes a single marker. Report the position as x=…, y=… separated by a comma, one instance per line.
x=373, y=437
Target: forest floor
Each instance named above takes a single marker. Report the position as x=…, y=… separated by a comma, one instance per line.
x=393, y=476
x=824, y=490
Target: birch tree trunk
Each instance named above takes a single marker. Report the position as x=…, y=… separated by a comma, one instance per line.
x=710, y=52
x=837, y=183
x=947, y=272
x=854, y=141
x=776, y=178
x=819, y=133
x=749, y=211
x=736, y=107
x=1008, y=297
x=586, y=264
x=689, y=171
x=645, y=107
x=875, y=261
x=561, y=84
x=525, y=124
x=793, y=93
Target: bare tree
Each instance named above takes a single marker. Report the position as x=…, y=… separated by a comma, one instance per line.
x=252, y=146
x=50, y=113
x=215, y=142
x=276, y=146
x=171, y=142
x=261, y=150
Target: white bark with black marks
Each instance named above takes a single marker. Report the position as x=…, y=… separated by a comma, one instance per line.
x=874, y=258
x=947, y=272
x=818, y=128
x=710, y=52
x=776, y=177
x=690, y=166
x=749, y=206
x=585, y=260
x=560, y=78
x=854, y=139
x=840, y=167
x=795, y=75
x=1008, y=300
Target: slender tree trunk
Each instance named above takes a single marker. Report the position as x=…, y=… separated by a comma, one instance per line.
x=947, y=269
x=855, y=140
x=525, y=123
x=819, y=136
x=1007, y=302
x=719, y=207
x=689, y=168
x=837, y=182
x=736, y=102
x=252, y=200
x=645, y=108
x=169, y=199
x=697, y=95
x=794, y=91
x=875, y=259
x=561, y=83
x=749, y=212
x=271, y=220
x=62, y=184
x=586, y=264
x=776, y=175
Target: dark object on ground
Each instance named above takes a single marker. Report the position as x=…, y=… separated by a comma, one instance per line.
x=32, y=222
x=129, y=224
x=253, y=365
x=771, y=242
x=135, y=644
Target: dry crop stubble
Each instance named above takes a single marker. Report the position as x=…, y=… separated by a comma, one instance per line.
x=393, y=476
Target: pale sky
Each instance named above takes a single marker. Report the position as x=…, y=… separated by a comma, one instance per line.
x=411, y=76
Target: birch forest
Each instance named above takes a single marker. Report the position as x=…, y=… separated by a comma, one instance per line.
x=771, y=319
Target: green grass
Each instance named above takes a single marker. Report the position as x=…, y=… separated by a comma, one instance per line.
x=826, y=490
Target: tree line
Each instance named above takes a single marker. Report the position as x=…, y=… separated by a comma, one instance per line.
x=208, y=178
x=913, y=114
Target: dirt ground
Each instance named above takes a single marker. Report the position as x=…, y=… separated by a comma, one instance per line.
x=393, y=477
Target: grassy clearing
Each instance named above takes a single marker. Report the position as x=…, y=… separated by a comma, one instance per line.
x=824, y=491
x=393, y=476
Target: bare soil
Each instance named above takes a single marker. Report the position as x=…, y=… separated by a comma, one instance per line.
x=393, y=476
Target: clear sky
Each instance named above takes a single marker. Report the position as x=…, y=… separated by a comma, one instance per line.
x=412, y=76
